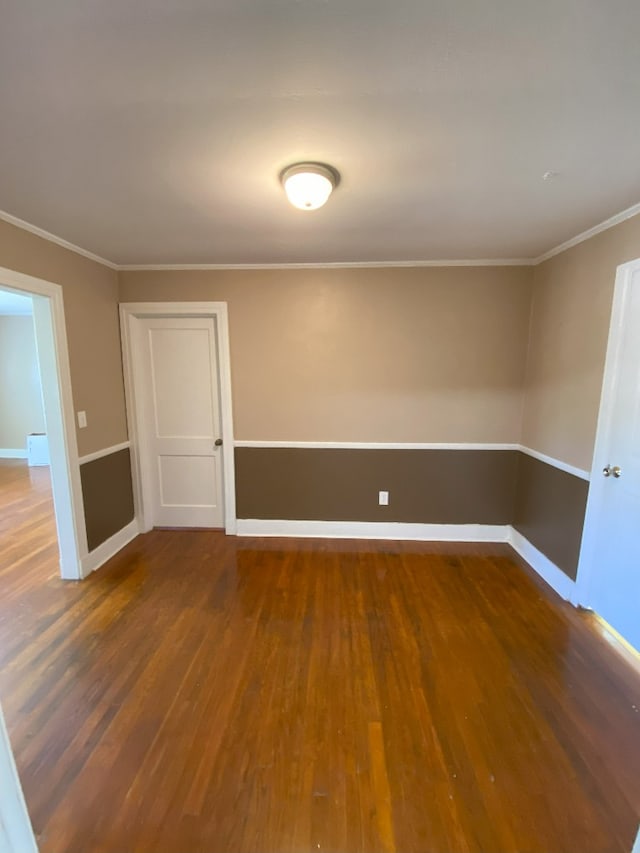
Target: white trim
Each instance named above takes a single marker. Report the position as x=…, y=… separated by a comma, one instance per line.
x=557, y=463
x=380, y=445
x=129, y=313
x=616, y=640
x=374, y=530
x=630, y=212
x=108, y=549
x=548, y=571
x=16, y=833
x=15, y=453
x=106, y=451
x=444, y=262
x=132, y=419
x=337, y=265
x=52, y=238
x=55, y=375
x=634, y=210
x=595, y=500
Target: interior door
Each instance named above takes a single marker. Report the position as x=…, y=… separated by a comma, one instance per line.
x=615, y=567
x=177, y=384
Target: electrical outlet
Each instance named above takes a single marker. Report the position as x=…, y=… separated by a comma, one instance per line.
x=82, y=419
x=383, y=498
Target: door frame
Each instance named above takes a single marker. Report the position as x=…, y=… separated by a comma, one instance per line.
x=130, y=313
x=587, y=562
x=55, y=378
x=16, y=832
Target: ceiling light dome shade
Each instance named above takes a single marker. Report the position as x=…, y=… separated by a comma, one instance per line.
x=309, y=185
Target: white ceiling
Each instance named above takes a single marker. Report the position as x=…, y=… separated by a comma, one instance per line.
x=15, y=303
x=154, y=131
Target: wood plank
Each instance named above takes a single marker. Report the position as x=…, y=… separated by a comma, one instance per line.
x=208, y=693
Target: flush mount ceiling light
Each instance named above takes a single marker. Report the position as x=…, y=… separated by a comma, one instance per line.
x=309, y=185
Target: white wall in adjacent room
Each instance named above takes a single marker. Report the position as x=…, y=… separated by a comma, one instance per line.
x=21, y=410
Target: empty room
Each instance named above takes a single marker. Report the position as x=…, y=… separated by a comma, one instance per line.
x=336, y=308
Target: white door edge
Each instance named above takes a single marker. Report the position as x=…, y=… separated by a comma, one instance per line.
x=595, y=499
x=130, y=312
x=53, y=360
x=16, y=833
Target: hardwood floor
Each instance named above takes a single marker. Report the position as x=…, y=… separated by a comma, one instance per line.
x=207, y=693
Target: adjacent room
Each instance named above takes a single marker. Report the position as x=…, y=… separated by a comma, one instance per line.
x=337, y=312
x=29, y=541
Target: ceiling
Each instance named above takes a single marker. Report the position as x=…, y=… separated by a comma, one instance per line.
x=153, y=132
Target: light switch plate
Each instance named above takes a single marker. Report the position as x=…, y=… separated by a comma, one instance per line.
x=82, y=419
x=383, y=498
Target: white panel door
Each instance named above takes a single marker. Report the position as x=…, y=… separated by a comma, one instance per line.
x=177, y=382
x=615, y=567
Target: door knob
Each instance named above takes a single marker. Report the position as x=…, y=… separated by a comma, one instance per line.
x=612, y=471
x=218, y=442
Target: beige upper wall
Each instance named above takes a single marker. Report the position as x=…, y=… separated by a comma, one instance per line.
x=21, y=410
x=571, y=311
x=91, y=311
x=433, y=354
x=429, y=354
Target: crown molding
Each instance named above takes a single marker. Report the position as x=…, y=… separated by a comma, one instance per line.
x=630, y=212
x=52, y=238
x=337, y=265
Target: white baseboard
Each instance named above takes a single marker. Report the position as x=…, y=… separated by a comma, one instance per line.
x=548, y=571
x=109, y=548
x=374, y=530
x=12, y=453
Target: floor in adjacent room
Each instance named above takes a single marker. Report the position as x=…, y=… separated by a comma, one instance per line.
x=207, y=693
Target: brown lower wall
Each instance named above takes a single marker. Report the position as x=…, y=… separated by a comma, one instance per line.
x=107, y=495
x=425, y=486
x=549, y=511
x=543, y=503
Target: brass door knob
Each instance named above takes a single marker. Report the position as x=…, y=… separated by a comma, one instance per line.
x=612, y=471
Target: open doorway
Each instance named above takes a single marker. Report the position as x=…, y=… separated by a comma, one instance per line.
x=58, y=446
x=27, y=517
x=43, y=506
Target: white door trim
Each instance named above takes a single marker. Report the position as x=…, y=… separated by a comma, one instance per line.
x=53, y=360
x=129, y=313
x=595, y=500
x=16, y=834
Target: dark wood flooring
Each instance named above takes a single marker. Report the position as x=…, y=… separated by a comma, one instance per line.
x=207, y=693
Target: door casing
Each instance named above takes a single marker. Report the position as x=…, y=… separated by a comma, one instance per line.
x=53, y=361
x=130, y=313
